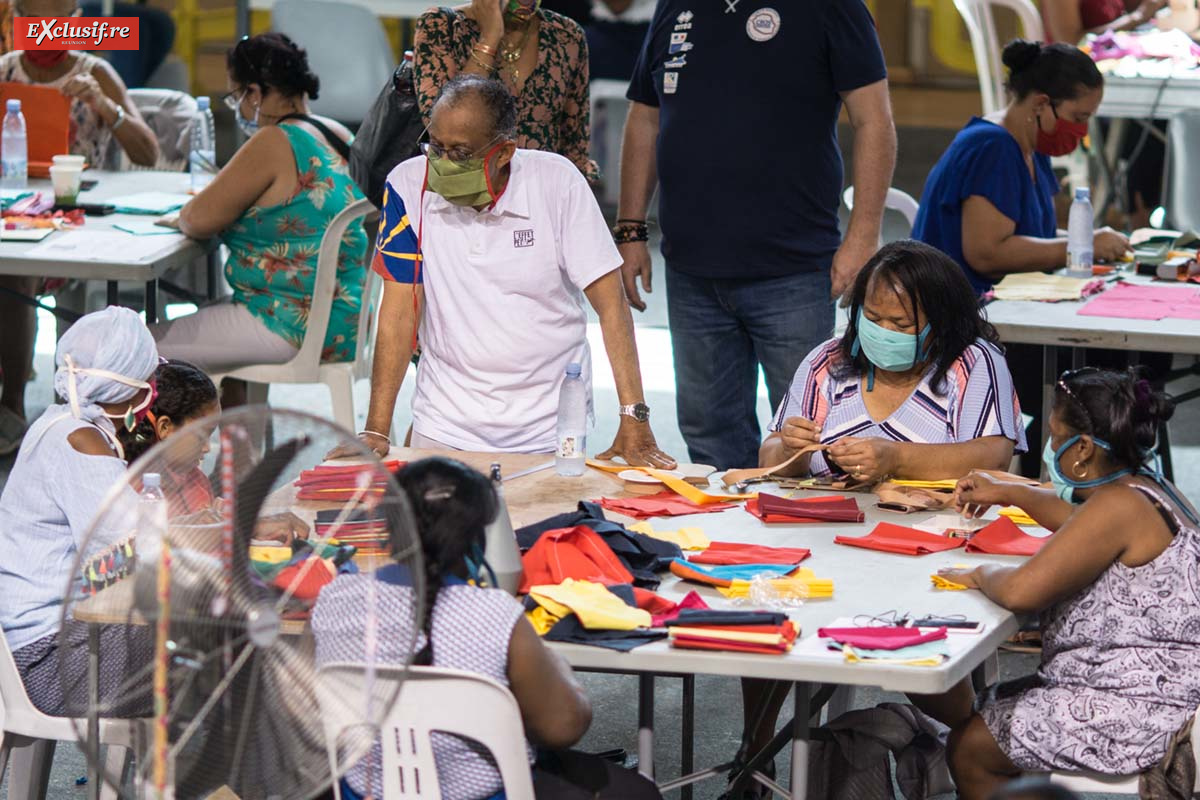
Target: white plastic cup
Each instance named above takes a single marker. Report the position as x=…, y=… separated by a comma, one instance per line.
x=69, y=161
x=66, y=180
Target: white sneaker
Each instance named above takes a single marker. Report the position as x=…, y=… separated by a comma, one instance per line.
x=12, y=430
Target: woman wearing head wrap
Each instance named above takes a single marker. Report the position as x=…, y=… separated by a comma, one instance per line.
x=70, y=460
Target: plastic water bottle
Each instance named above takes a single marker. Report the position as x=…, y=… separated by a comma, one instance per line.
x=500, y=543
x=1079, y=235
x=572, y=424
x=203, y=155
x=152, y=514
x=14, y=149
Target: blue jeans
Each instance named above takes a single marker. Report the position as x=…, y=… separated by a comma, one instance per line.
x=721, y=332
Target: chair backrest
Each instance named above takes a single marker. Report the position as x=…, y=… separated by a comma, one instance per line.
x=351, y=75
x=308, y=360
x=1181, y=190
x=18, y=715
x=431, y=699
x=368, y=324
x=170, y=114
x=897, y=200
x=985, y=42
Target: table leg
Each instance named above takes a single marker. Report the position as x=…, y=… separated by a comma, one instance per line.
x=213, y=260
x=151, y=302
x=687, y=734
x=93, y=715
x=113, y=294
x=646, y=725
x=800, y=743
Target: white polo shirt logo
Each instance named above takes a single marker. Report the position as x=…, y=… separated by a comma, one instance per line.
x=523, y=238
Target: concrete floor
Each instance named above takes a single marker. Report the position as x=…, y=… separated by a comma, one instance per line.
x=718, y=718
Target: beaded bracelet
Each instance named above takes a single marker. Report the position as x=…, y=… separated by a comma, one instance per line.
x=627, y=232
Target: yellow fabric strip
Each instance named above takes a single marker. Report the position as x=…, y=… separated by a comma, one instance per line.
x=802, y=584
x=1017, y=515
x=596, y=607
x=728, y=636
x=677, y=485
x=942, y=583
x=947, y=483
x=684, y=538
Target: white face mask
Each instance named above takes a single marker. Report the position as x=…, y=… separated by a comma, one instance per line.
x=247, y=126
x=130, y=416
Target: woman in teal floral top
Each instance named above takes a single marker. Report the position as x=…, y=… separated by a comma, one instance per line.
x=271, y=205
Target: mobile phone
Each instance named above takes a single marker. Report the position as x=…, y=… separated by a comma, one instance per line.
x=86, y=184
x=91, y=209
x=956, y=625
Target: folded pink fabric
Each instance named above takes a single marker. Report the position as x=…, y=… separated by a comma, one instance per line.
x=1004, y=538
x=885, y=638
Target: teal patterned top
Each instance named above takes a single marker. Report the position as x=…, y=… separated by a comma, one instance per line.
x=272, y=263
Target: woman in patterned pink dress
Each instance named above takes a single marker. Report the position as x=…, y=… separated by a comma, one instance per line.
x=1117, y=588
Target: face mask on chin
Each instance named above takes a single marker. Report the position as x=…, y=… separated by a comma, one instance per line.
x=1063, y=140
x=249, y=127
x=46, y=59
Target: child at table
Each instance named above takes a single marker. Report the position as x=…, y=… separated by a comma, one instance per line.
x=470, y=628
x=1117, y=588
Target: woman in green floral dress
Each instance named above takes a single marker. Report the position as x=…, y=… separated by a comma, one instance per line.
x=540, y=55
x=270, y=206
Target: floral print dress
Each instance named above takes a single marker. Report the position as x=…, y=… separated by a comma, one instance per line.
x=553, y=109
x=272, y=263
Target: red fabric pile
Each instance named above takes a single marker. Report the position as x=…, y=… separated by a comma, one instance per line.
x=663, y=504
x=577, y=553
x=727, y=553
x=765, y=639
x=338, y=484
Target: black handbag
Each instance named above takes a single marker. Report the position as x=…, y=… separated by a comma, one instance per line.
x=391, y=133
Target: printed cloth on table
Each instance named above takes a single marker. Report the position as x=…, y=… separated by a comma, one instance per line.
x=898, y=539
x=1017, y=515
x=890, y=637
x=596, y=607
x=694, y=617
x=943, y=583
x=663, y=504
x=764, y=639
x=802, y=584
x=569, y=629
x=772, y=508
x=731, y=553
x=725, y=575
x=683, y=538
x=642, y=555
x=1004, y=538
x=927, y=654
x=576, y=552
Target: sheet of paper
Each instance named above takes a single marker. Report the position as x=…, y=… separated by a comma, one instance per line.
x=113, y=246
x=25, y=234
x=143, y=227
x=156, y=203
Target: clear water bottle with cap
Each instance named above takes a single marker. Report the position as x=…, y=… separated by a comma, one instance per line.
x=152, y=514
x=203, y=155
x=500, y=543
x=1079, y=235
x=14, y=149
x=572, y=423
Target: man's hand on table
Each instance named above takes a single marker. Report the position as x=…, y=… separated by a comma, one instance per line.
x=379, y=445
x=635, y=443
x=283, y=528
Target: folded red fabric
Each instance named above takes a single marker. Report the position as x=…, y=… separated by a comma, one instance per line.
x=663, y=610
x=577, y=553
x=771, y=508
x=663, y=504
x=787, y=631
x=327, y=471
x=884, y=638
x=726, y=553
x=899, y=539
x=1004, y=538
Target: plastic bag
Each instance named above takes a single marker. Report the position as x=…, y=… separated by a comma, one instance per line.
x=390, y=133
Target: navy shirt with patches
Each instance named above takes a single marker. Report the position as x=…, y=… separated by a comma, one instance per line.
x=749, y=166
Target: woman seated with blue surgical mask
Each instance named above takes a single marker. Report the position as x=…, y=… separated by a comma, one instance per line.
x=1117, y=591
x=916, y=388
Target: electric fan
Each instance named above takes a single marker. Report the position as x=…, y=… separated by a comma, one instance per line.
x=195, y=588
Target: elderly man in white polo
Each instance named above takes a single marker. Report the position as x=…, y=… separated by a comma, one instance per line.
x=487, y=252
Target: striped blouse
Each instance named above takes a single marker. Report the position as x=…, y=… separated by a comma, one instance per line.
x=976, y=399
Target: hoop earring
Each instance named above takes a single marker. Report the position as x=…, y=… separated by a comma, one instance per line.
x=1075, y=468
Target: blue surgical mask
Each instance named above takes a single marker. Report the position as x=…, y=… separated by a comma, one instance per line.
x=249, y=127
x=889, y=350
x=1065, y=487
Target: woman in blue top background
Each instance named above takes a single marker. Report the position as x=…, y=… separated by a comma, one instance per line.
x=989, y=201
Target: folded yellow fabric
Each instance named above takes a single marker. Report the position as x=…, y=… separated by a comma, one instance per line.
x=541, y=620
x=747, y=637
x=684, y=538
x=802, y=584
x=947, y=483
x=596, y=607
x=942, y=583
x=270, y=554
x=1017, y=515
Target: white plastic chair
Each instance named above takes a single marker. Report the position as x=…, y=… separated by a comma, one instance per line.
x=1119, y=784
x=431, y=699
x=306, y=367
x=352, y=73
x=29, y=737
x=985, y=42
x=896, y=200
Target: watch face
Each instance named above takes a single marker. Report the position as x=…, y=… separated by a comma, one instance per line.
x=641, y=412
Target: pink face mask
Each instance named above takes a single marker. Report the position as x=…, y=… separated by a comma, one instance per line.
x=1064, y=139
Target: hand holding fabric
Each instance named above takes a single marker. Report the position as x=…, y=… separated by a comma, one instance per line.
x=635, y=443
x=868, y=460
x=978, y=492
x=963, y=576
x=798, y=433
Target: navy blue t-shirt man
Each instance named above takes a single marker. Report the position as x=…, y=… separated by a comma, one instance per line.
x=735, y=112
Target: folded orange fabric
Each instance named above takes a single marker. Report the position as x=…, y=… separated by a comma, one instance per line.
x=1004, y=538
x=898, y=539
x=578, y=553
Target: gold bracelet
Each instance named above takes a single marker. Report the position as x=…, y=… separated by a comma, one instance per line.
x=488, y=68
x=485, y=49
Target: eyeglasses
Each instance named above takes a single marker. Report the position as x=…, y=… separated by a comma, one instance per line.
x=458, y=155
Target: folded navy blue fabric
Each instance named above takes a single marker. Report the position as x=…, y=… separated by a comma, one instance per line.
x=704, y=616
x=570, y=629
